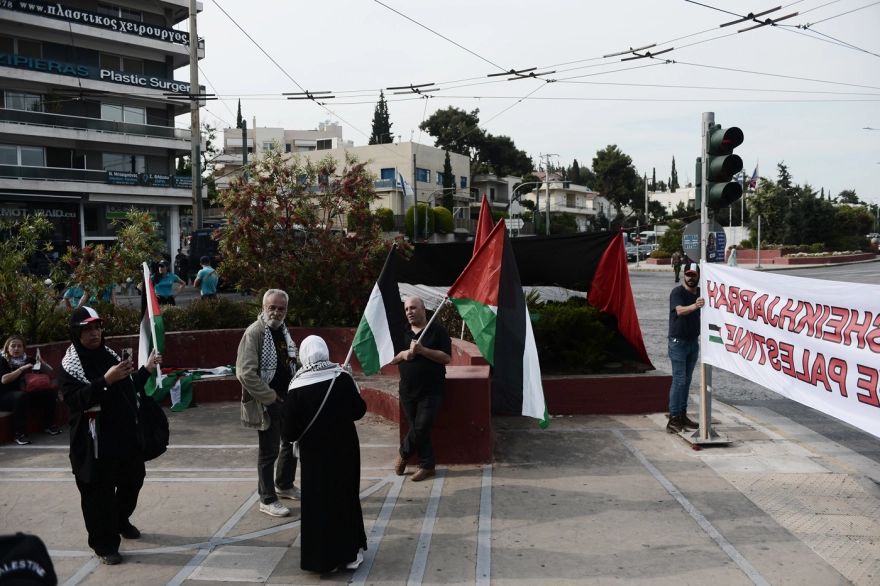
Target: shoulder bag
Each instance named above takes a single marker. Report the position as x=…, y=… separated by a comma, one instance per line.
x=318, y=412
x=152, y=427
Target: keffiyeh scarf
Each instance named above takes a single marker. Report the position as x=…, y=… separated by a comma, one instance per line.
x=268, y=355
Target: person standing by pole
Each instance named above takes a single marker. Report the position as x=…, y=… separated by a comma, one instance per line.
x=684, y=346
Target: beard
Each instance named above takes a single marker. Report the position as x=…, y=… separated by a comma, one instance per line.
x=274, y=323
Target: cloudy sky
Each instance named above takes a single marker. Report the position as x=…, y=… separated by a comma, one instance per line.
x=800, y=95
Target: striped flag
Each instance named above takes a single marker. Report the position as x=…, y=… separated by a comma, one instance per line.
x=484, y=224
x=715, y=334
x=489, y=297
x=152, y=334
x=379, y=334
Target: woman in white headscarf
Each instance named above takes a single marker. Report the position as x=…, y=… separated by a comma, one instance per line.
x=332, y=534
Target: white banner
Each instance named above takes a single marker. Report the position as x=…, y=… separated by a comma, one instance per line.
x=813, y=341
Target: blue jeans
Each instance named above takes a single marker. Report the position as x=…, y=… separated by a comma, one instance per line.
x=276, y=465
x=683, y=354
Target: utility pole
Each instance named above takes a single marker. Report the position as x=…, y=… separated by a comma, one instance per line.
x=415, y=197
x=195, y=127
x=244, y=159
x=547, y=183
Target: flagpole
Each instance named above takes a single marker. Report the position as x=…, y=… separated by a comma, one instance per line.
x=433, y=317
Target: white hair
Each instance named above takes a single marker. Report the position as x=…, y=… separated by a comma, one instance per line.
x=270, y=292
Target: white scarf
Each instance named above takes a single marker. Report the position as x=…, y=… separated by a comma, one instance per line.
x=315, y=358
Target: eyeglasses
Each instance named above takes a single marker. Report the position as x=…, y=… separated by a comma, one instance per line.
x=278, y=308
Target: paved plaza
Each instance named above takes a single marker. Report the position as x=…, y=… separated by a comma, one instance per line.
x=592, y=500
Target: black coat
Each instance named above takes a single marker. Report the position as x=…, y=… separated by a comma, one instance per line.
x=330, y=464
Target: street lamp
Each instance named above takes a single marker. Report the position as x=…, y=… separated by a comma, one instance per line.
x=513, y=198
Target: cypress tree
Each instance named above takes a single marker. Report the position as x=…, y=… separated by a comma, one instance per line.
x=381, y=122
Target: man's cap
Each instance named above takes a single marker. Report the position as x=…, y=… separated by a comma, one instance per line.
x=692, y=269
x=84, y=315
x=25, y=560
x=163, y=263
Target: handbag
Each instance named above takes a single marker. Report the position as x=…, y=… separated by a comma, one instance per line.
x=318, y=412
x=152, y=427
x=38, y=381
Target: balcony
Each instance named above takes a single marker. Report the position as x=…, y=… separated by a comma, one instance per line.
x=61, y=121
x=62, y=179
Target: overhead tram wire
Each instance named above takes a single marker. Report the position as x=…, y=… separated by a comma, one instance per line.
x=831, y=40
x=845, y=13
x=213, y=87
x=736, y=70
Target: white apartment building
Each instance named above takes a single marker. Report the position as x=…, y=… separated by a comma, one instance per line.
x=579, y=201
x=258, y=140
x=86, y=128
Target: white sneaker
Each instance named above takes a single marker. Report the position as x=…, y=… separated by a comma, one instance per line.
x=288, y=493
x=275, y=509
x=356, y=563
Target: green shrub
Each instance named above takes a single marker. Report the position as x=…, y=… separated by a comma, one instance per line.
x=660, y=254
x=386, y=219
x=817, y=247
x=498, y=214
x=408, y=220
x=443, y=220
x=119, y=320
x=571, y=337
x=213, y=314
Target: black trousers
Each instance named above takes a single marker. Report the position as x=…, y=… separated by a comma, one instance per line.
x=273, y=451
x=109, y=499
x=21, y=403
x=420, y=411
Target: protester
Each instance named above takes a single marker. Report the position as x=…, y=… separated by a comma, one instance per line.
x=14, y=366
x=74, y=296
x=164, y=283
x=206, y=279
x=105, y=452
x=320, y=411
x=684, y=346
x=265, y=366
x=422, y=382
x=676, y=264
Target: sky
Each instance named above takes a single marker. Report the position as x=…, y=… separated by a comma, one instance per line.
x=800, y=95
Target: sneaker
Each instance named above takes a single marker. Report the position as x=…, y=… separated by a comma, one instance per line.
x=274, y=509
x=21, y=439
x=288, y=493
x=675, y=425
x=356, y=563
x=400, y=466
x=52, y=430
x=130, y=532
x=423, y=474
x=689, y=423
x=111, y=559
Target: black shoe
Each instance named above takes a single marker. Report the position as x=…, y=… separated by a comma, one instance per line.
x=111, y=559
x=675, y=425
x=21, y=439
x=130, y=532
x=689, y=423
x=52, y=430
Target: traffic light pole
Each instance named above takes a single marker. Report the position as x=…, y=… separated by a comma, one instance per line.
x=705, y=434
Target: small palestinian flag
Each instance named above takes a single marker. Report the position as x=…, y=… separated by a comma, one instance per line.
x=715, y=334
x=379, y=334
x=152, y=334
x=489, y=297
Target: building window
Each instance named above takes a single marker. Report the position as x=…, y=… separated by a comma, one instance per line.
x=119, y=12
x=491, y=194
x=24, y=156
x=439, y=178
x=288, y=147
x=423, y=175
x=463, y=182
x=119, y=113
x=120, y=63
x=22, y=101
x=570, y=200
x=324, y=144
x=124, y=162
x=23, y=47
x=387, y=174
x=267, y=146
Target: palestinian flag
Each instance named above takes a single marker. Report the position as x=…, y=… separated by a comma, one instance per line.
x=484, y=224
x=715, y=333
x=489, y=297
x=152, y=334
x=379, y=334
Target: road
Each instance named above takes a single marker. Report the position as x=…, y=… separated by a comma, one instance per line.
x=651, y=292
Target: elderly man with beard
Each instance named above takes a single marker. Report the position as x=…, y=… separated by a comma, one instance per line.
x=105, y=452
x=684, y=346
x=265, y=366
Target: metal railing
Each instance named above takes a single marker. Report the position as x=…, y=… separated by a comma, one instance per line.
x=84, y=123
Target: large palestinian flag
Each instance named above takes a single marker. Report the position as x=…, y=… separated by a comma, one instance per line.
x=152, y=334
x=489, y=297
x=378, y=337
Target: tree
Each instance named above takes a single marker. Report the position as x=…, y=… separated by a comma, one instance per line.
x=848, y=196
x=671, y=239
x=653, y=179
x=448, y=184
x=673, y=178
x=656, y=212
x=617, y=178
x=455, y=130
x=681, y=212
x=239, y=121
x=575, y=173
x=499, y=155
x=285, y=231
x=381, y=123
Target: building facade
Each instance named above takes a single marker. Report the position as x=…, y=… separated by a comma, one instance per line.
x=577, y=200
x=87, y=127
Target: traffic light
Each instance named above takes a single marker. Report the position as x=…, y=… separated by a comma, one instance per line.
x=698, y=192
x=722, y=165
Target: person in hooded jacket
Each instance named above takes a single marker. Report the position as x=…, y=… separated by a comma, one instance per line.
x=100, y=389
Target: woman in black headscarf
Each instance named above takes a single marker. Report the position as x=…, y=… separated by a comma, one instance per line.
x=332, y=522
x=101, y=391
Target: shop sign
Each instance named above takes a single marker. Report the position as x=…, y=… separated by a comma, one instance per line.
x=23, y=210
x=148, y=179
x=112, y=23
x=122, y=178
x=119, y=211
